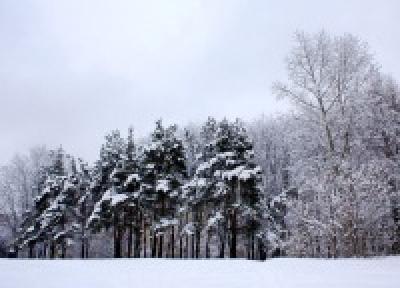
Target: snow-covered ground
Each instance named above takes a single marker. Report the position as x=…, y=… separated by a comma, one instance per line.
x=146, y=273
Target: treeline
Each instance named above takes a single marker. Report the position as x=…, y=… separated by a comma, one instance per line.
x=172, y=197
x=322, y=181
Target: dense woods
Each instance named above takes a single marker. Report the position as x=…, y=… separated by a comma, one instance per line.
x=322, y=181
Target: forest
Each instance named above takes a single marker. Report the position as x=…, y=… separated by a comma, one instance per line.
x=320, y=181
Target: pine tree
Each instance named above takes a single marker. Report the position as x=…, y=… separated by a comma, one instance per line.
x=132, y=206
x=164, y=171
x=46, y=214
x=106, y=190
x=198, y=191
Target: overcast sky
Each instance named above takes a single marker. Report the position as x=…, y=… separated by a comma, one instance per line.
x=72, y=70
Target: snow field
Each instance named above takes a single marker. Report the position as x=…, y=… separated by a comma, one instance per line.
x=155, y=273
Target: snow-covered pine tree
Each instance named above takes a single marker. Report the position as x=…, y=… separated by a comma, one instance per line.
x=106, y=190
x=163, y=175
x=249, y=205
x=47, y=209
x=132, y=205
x=28, y=231
x=82, y=214
x=227, y=181
x=62, y=209
x=198, y=198
x=243, y=200
x=60, y=219
x=189, y=206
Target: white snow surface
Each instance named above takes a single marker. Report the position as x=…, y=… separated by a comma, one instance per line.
x=132, y=178
x=162, y=185
x=118, y=198
x=155, y=273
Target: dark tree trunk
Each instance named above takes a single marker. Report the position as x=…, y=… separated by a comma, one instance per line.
x=193, y=244
x=138, y=234
x=334, y=245
x=87, y=247
x=197, y=242
x=233, y=235
x=83, y=247
x=154, y=246
x=396, y=218
x=144, y=241
x=137, y=241
x=130, y=240
x=63, y=248
x=187, y=237
x=180, y=237
x=44, y=249
x=197, y=235
x=173, y=242
x=117, y=244
x=187, y=246
x=261, y=250
x=180, y=247
x=83, y=238
x=63, y=243
x=222, y=247
x=248, y=247
x=117, y=238
x=120, y=237
x=160, y=246
x=252, y=246
x=161, y=238
x=31, y=249
x=52, y=250
x=208, y=244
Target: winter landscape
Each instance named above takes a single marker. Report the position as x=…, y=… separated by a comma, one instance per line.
x=202, y=143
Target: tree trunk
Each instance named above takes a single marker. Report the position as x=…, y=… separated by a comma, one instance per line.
x=173, y=242
x=180, y=247
x=117, y=238
x=198, y=235
x=144, y=241
x=263, y=254
x=82, y=247
x=233, y=234
x=180, y=237
x=137, y=241
x=63, y=248
x=44, y=249
x=334, y=252
x=208, y=244
x=63, y=243
x=193, y=243
x=87, y=247
x=130, y=240
x=187, y=238
x=31, y=249
x=154, y=246
x=248, y=247
x=252, y=246
x=160, y=246
x=83, y=238
x=222, y=247
x=52, y=250
x=187, y=246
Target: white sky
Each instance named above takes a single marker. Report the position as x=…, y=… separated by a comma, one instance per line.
x=72, y=70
